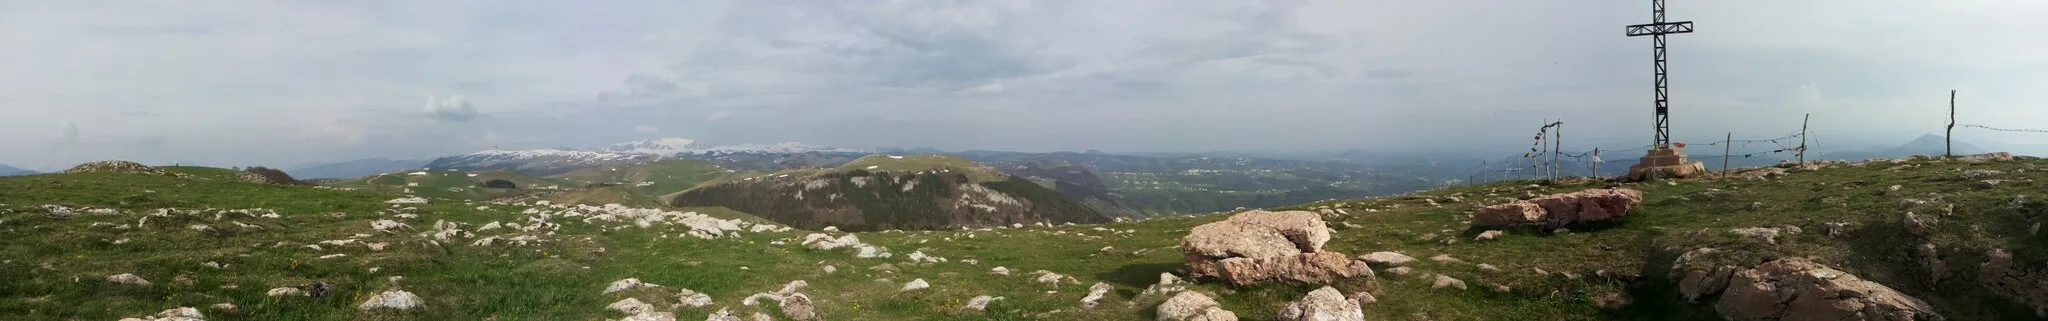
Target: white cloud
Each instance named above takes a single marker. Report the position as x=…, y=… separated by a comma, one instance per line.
x=451, y=108
x=718, y=115
x=70, y=130
x=645, y=129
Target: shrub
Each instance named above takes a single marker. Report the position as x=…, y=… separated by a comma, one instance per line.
x=268, y=175
x=500, y=183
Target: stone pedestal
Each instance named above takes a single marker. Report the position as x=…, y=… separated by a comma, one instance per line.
x=1663, y=162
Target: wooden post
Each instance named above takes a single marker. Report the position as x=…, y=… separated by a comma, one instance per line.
x=1802, y=139
x=1559, y=135
x=1726, y=146
x=1949, y=140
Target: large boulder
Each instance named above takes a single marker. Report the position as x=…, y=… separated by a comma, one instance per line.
x=1305, y=268
x=1259, y=246
x=1697, y=278
x=1557, y=210
x=1799, y=289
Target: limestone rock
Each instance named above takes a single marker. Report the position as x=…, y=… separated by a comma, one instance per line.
x=979, y=303
x=1487, y=235
x=798, y=307
x=1095, y=293
x=1386, y=259
x=2002, y=277
x=918, y=284
x=1799, y=289
x=1193, y=306
x=396, y=300
x=1311, y=268
x=630, y=306
x=127, y=278
x=1253, y=234
x=689, y=298
x=1557, y=210
x=1697, y=279
x=1325, y=304
x=286, y=291
x=1445, y=281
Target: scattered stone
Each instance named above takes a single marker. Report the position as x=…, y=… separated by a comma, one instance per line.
x=1445, y=281
x=1324, y=304
x=980, y=303
x=1767, y=235
x=1978, y=174
x=1989, y=183
x=396, y=300
x=1388, y=259
x=829, y=269
x=917, y=284
x=1795, y=287
x=1557, y=210
x=1915, y=225
x=286, y=291
x=625, y=284
x=1929, y=259
x=798, y=306
x=692, y=299
x=1095, y=293
x=2006, y=279
x=630, y=306
x=1053, y=279
x=999, y=271
x=1193, y=306
x=127, y=278
x=1487, y=235
x=1400, y=271
x=1696, y=279
x=225, y=307
x=1446, y=259
x=1489, y=268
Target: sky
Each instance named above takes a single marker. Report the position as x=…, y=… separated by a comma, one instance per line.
x=293, y=82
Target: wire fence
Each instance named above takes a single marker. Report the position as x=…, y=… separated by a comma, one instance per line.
x=1543, y=159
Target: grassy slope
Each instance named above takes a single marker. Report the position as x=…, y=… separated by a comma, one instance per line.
x=667, y=176
x=464, y=282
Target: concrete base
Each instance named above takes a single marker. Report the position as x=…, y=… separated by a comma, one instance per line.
x=1663, y=163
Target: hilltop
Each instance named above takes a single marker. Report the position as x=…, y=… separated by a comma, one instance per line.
x=1853, y=217
x=893, y=192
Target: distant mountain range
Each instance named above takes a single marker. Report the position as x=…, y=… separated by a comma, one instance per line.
x=356, y=168
x=11, y=171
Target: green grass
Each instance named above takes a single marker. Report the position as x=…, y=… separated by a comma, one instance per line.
x=550, y=281
x=661, y=177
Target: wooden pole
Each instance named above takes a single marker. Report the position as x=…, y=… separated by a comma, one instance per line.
x=1949, y=141
x=1559, y=135
x=1802, y=139
x=1727, y=145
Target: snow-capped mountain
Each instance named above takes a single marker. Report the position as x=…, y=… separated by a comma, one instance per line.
x=683, y=146
x=536, y=162
x=561, y=160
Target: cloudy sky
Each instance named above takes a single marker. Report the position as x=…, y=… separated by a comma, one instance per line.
x=287, y=82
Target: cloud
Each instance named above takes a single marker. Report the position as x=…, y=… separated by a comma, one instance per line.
x=645, y=129
x=718, y=115
x=451, y=108
x=69, y=130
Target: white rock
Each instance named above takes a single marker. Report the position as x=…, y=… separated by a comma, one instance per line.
x=1325, y=304
x=126, y=278
x=916, y=285
x=622, y=285
x=397, y=300
x=999, y=271
x=1095, y=293
x=630, y=306
x=286, y=291
x=1386, y=259
x=693, y=299
x=979, y=303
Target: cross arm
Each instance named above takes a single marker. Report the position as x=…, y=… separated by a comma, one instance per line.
x=1660, y=28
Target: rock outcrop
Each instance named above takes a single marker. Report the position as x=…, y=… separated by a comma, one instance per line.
x=1698, y=279
x=1998, y=274
x=1799, y=289
x=1557, y=210
x=1260, y=246
x=114, y=166
x=1325, y=304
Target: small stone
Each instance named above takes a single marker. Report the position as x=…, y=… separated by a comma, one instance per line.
x=1445, y=281
x=1487, y=235
x=917, y=284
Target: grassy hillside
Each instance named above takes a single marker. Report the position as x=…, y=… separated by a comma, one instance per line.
x=452, y=184
x=920, y=163
x=653, y=179
x=859, y=200
x=59, y=273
